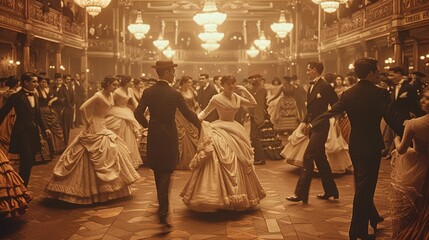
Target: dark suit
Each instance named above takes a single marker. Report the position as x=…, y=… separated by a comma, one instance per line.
x=203, y=98
x=322, y=94
x=365, y=105
x=258, y=114
x=24, y=139
x=403, y=107
x=79, y=98
x=162, y=143
x=66, y=100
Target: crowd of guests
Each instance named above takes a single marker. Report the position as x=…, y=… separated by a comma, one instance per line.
x=334, y=125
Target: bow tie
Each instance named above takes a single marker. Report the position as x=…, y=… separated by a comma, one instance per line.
x=29, y=94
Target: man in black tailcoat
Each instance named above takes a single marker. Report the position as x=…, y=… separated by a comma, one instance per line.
x=25, y=138
x=204, y=94
x=162, y=144
x=405, y=102
x=365, y=105
x=320, y=95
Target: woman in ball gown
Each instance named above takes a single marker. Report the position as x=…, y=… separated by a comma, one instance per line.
x=187, y=132
x=337, y=149
x=287, y=118
x=273, y=90
x=46, y=98
x=96, y=166
x=14, y=197
x=223, y=174
x=120, y=119
x=11, y=85
x=343, y=121
x=410, y=178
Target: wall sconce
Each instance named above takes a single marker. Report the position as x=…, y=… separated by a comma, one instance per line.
x=14, y=64
x=51, y=67
x=62, y=68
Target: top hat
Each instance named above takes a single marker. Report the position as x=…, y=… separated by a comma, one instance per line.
x=256, y=75
x=164, y=64
x=294, y=77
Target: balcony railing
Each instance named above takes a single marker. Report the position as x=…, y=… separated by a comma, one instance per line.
x=367, y=18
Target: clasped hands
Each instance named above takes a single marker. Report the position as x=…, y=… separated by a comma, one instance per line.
x=306, y=129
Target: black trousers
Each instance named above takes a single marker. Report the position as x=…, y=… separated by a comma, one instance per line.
x=366, y=167
x=27, y=157
x=67, y=122
x=162, y=181
x=255, y=139
x=315, y=153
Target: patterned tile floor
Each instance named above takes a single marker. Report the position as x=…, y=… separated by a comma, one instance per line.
x=135, y=217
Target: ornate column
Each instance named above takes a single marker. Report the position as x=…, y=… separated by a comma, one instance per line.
x=84, y=67
x=26, y=40
x=395, y=39
x=58, y=49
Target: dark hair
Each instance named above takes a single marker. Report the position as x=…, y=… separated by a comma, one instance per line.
x=397, y=69
x=217, y=77
x=184, y=79
x=11, y=82
x=137, y=81
x=161, y=71
x=339, y=76
x=124, y=79
x=204, y=75
x=318, y=65
x=227, y=78
x=363, y=66
x=329, y=77
x=276, y=79
x=26, y=77
x=107, y=80
x=66, y=76
x=352, y=79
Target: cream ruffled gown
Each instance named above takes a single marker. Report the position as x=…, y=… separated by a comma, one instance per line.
x=122, y=122
x=337, y=149
x=223, y=174
x=96, y=166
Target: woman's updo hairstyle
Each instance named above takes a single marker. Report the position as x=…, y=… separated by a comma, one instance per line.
x=184, y=79
x=227, y=78
x=124, y=79
x=107, y=80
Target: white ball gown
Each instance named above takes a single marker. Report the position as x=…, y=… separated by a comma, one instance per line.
x=223, y=174
x=96, y=166
x=120, y=119
x=337, y=149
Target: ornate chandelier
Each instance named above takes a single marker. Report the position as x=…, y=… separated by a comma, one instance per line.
x=211, y=34
x=329, y=6
x=210, y=14
x=161, y=43
x=210, y=46
x=139, y=29
x=252, y=52
x=282, y=28
x=169, y=53
x=262, y=43
x=93, y=7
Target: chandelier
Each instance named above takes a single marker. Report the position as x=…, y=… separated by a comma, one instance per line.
x=262, y=43
x=93, y=7
x=329, y=6
x=210, y=14
x=161, y=43
x=210, y=46
x=282, y=28
x=252, y=52
x=211, y=34
x=139, y=29
x=169, y=53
